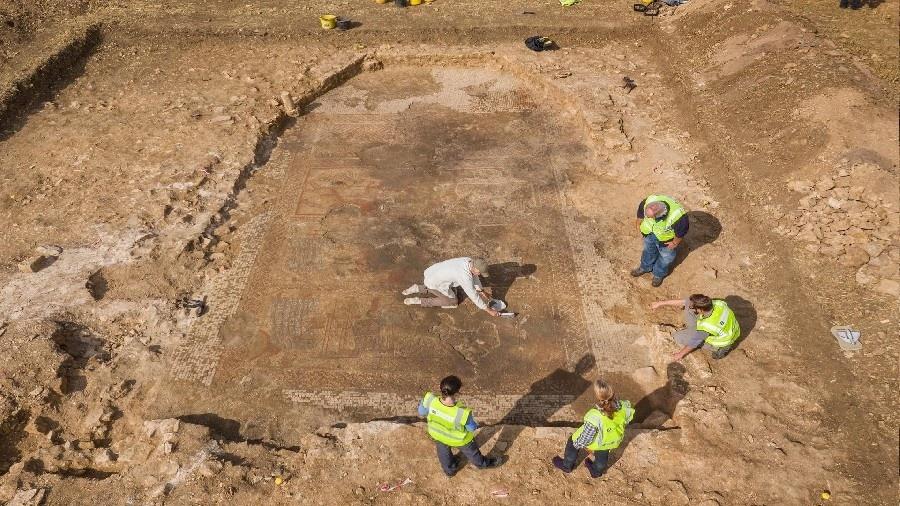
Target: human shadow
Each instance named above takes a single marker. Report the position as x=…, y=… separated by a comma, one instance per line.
x=656, y=408
x=502, y=276
x=663, y=400
x=545, y=397
x=704, y=229
x=745, y=313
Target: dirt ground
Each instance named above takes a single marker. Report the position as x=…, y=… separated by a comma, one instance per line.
x=210, y=208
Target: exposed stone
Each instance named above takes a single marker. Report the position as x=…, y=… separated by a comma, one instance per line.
x=888, y=287
x=210, y=468
x=840, y=225
x=646, y=377
x=103, y=456
x=655, y=420
x=288, y=103
x=825, y=184
x=802, y=186
x=854, y=257
x=873, y=248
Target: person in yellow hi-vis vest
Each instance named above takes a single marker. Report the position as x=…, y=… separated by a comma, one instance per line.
x=452, y=425
x=602, y=431
x=663, y=222
x=708, y=322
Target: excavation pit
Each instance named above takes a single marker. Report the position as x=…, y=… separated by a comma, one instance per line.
x=381, y=177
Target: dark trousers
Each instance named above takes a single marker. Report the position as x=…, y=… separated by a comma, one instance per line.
x=450, y=462
x=601, y=458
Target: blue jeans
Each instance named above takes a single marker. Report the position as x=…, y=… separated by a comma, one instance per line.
x=601, y=458
x=450, y=462
x=656, y=257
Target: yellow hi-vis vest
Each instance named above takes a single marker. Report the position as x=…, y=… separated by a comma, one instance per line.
x=721, y=325
x=447, y=423
x=662, y=229
x=612, y=430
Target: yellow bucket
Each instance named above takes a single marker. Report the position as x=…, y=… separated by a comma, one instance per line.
x=328, y=21
x=381, y=1
x=415, y=2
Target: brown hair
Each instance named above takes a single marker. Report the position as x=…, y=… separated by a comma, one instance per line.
x=606, y=397
x=701, y=302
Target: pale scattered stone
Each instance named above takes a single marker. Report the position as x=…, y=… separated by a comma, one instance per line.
x=835, y=203
x=840, y=225
x=288, y=103
x=210, y=468
x=802, y=186
x=854, y=257
x=646, y=377
x=825, y=184
x=873, y=248
x=888, y=287
x=103, y=456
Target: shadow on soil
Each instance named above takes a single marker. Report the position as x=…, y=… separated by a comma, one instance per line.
x=704, y=229
x=81, y=345
x=656, y=408
x=537, y=406
x=745, y=314
x=502, y=276
x=226, y=429
x=47, y=81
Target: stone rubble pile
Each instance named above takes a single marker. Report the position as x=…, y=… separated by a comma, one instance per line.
x=849, y=224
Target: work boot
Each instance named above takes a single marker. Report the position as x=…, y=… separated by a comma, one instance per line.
x=589, y=464
x=560, y=464
x=493, y=462
x=656, y=281
x=844, y=4
x=411, y=290
x=638, y=272
x=855, y=4
x=412, y=301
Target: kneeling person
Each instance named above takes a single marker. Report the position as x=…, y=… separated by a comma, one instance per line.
x=451, y=425
x=708, y=322
x=444, y=278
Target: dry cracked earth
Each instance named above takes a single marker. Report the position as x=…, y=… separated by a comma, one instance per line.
x=209, y=209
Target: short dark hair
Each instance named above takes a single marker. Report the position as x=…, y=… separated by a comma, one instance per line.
x=450, y=386
x=701, y=302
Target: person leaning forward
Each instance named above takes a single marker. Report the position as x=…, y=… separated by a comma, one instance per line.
x=602, y=431
x=663, y=222
x=451, y=425
x=443, y=279
x=708, y=322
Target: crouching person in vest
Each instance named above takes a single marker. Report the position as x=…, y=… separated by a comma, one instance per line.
x=709, y=323
x=663, y=223
x=451, y=425
x=602, y=431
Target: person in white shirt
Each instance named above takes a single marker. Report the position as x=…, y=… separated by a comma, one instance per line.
x=443, y=279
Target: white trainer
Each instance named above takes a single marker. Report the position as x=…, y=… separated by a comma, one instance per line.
x=411, y=301
x=411, y=290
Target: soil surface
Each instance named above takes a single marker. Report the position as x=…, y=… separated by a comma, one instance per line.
x=211, y=208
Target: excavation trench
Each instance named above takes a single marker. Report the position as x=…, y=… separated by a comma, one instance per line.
x=379, y=178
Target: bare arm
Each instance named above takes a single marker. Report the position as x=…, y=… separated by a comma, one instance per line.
x=680, y=354
x=663, y=303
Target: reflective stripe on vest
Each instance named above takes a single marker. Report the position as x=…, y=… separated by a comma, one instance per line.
x=611, y=430
x=447, y=423
x=721, y=325
x=662, y=229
